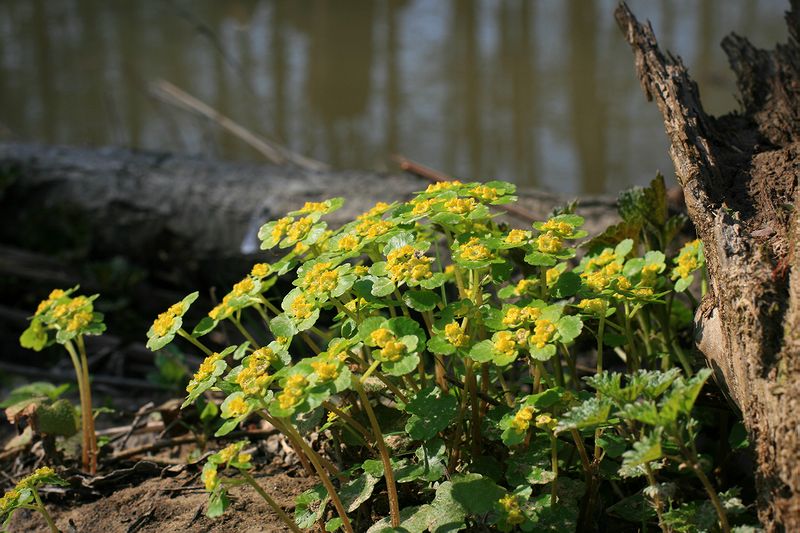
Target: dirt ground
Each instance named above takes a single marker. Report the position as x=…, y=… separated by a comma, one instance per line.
x=169, y=505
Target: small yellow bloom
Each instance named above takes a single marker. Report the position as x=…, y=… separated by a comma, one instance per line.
x=348, y=243
x=484, y=193
x=460, y=206
x=243, y=287
x=552, y=275
x=210, y=478
x=505, y=343
x=381, y=337
x=393, y=351
x=525, y=285
x=407, y=263
x=443, y=186
x=596, y=306
x=473, y=250
x=205, y=370
x=549, y=243
x=79, y=321
x=313, y=207
x=455, y=335
x=543, y=332
x=545, y=421
x=279, y=230
x=237, y=407
x=163, y=323
x=422, y=207
x=563, y=229
x=260, y=270
x=510, y=505
x=360, y=270
x=326, y=371
x=522, y=420
x=516, y=236
x=300, y=308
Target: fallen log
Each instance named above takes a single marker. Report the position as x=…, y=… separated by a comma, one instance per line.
x=739, y=174
x=185, y=219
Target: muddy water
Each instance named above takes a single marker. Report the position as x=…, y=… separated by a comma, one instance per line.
x=537, y=92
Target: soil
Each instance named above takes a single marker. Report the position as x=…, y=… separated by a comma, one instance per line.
x=169, y=505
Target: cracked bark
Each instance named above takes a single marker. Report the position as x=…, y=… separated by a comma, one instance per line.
x=739, y=174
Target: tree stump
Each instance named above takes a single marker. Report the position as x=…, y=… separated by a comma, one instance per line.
x=739, y=175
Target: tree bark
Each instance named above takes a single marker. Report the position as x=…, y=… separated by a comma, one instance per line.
x=739, y=174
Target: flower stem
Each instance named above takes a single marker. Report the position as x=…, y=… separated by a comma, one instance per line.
x=90, y=433
x=275, y=507
x=194, y=341
x=391, y=488
x=76, y=363
x=323, y=475
x=245, y=333
x=42, y=509
x=554, y=466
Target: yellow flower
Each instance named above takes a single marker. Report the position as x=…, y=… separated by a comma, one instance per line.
x=222, y=310
x=360, y=270
x=522, y=420
x=552, y=275
x=243, y=287
x=313, y=207
x=521, y=337
x=543, y=332
x=205, y=370
x=563, y=229
x=210, y=478
x=296, y=381
x=378, y=209
x=687, y=260
x=237, y=407
x=505, y=343
x=443, y=186
x=229, y=452
x=484, y=193
x=300, y=308
x=393, y=351
x=455, y=335
x=643, y=292
x=422, y=207
x=55, y=294
x=510, y=505
x=326, y=371
x=549, y=243
x=263, y=357
x=381, y=336
x=623, y=283
x=299, y=229
x=545, y=421
x=163, y=323
x=597, y=281
x=251, y=380
x=371, y=228
x=79, y=321
x=407, y=263
x=348, y=243
x=460, y=206
x=513, y=317
x=605, y=257
x=280, y=228
x=516, y=236
x=260, y=270
x=525, y=285
x=649, y=273
x=473, y=250
x=596, y=306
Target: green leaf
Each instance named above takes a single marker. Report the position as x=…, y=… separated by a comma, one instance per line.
x=333, y=524
x=569, y=327
x=421, y=300
x=593, y=412
x=282, y=326
x=684, y=283
x=680, y=399
x=438, y=344
x=432, y=411
x=357, y=491
x=540, y=259
x=206, y=325
x=310, y=507
x=645, y=450
x=382, y=287
x=402, y=367
x=34, y=337
x=623, y=248
x=634, y=508
x=612, y=444
x=475, y=493
x=567, y=285
x=531, y=467
x=483, y=351
x=542, y=354
x=217, y=503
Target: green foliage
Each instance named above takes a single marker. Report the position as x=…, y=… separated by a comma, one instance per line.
x=444, y=346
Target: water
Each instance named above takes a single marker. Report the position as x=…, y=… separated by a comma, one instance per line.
x=541, y=93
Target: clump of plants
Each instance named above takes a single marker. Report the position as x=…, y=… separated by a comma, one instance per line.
x=446, y=358
x=25, y=495
x=66, y=319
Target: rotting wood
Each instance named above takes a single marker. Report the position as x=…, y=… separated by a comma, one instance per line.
x=739, y=174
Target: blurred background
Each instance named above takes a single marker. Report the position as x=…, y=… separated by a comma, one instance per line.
x=541, y=93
